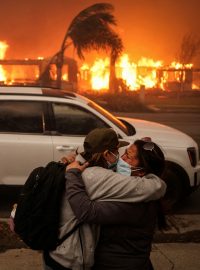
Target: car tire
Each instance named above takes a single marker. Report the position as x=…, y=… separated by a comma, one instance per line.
x=175, y=189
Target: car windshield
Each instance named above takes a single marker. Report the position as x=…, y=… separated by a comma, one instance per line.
x=109, y=116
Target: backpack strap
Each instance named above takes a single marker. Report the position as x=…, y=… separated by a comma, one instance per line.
x=61, y=240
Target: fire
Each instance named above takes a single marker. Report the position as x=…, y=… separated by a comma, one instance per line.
x=133, y=74
x=179, y=65
x=3, y=48
x=127, y=71
x=100, y=74
x=19, y=71
x=146, y=72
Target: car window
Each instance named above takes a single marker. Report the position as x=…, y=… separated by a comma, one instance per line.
x=75, y=120
x=21, y=117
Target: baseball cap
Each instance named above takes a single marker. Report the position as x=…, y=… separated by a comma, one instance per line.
x=101, y=139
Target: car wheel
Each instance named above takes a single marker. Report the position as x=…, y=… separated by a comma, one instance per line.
x=174, y=191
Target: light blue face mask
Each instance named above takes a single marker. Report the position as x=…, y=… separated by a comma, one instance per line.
x=124, y=168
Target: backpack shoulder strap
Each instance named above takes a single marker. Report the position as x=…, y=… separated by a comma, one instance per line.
x=61, y=240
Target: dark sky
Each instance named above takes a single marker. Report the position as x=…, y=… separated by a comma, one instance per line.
x=150, y=28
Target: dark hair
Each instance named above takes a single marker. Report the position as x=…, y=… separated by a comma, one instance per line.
x=151, y=159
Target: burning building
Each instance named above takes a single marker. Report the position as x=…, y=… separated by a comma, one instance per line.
x=38, y=71
x=131, y=76
x=145, y=73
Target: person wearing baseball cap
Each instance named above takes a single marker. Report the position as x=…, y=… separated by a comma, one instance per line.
x=101, y=145
x=101, y=139
x=118, y=194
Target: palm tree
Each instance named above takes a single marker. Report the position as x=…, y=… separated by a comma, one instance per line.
x=189, y=49
x=91, y=30
x=116, y=49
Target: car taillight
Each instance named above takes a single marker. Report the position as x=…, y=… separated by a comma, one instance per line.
x=192, y=156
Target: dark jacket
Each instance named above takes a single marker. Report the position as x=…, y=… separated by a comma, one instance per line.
x=127, y=230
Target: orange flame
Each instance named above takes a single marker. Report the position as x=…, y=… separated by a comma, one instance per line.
x=131, y=76
x=100, y=74
x=12, y=74
x=134, y=75
x=3, y=48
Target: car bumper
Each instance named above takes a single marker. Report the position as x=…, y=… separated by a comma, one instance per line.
x=197, y=178
x=196, y=175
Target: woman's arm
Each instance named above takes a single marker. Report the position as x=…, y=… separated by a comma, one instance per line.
x=103, y=184
x=106, y=185
x=99, y=212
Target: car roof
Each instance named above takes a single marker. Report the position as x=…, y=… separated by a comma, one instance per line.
x=40, y=91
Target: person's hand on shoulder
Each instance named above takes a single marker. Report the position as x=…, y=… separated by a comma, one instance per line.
x=69, y=158
x=77, y=165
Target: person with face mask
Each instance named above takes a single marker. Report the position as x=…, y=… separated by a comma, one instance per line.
x=125, y=240
x=126, y=169
x=113, y=189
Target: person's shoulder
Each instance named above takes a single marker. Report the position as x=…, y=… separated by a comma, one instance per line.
x=95, y=170
x=96, y=174
x=151, y=176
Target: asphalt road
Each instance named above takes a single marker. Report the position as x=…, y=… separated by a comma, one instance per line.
x=186, y=122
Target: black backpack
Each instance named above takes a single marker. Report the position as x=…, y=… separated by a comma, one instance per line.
x=38, y=210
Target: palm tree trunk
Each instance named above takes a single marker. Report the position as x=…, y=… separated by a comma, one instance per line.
x=60, y=62
x=59, y=65
x=113, y=86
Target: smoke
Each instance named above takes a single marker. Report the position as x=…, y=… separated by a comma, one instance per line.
x=150, y=28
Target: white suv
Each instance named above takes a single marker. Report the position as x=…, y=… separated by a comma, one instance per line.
x=39, y=125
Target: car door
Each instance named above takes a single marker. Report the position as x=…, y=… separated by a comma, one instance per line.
x=71, y=124
x=24, y=142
